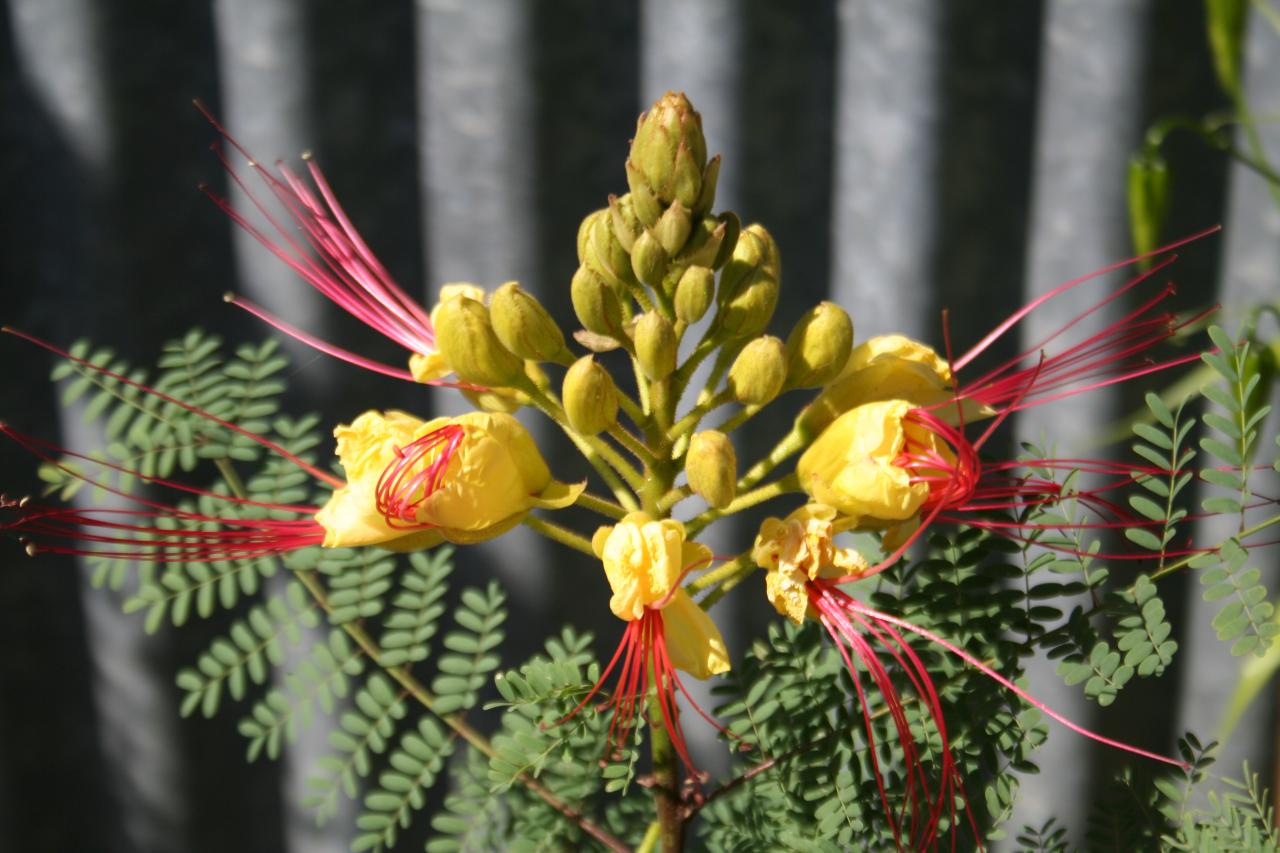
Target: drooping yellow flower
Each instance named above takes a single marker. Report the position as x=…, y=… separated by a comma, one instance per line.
x=411, y=483
x=854, y=465
x=644, y=560
x=799, y=549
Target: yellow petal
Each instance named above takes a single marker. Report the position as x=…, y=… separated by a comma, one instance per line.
x=558, y=495
x=693, y=641
x=427, y=367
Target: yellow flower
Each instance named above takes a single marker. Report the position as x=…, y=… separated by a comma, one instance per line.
x=799, y=549
x=411, y=483
x=853, y=465
x=644, y=561
x=426, y=367
x=888, y=367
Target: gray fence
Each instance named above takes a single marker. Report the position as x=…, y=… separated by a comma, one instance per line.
x=907, y=156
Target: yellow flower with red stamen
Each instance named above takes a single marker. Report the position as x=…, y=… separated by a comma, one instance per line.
x=856, y=464
x=412, y=483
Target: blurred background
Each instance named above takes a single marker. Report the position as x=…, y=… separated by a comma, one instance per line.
x=907, y=156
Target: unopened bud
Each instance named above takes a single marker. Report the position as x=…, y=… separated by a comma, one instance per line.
x=819, y=346
x=710, y=177
x=590, y=398
x=524, y=326
x=656, y=345
x=759, y=371
x=626, y=225
x=673, y=228
x=585, y=229
x=466, y=337
x=705, y=239
x=648, y=259
x=669, y=151
x=712, y=467
x=749, y=285
x=596, y=303
x=644, y=203
x=694, y=293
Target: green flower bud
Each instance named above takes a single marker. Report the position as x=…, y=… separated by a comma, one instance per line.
x=606, y=255
x=759, y=371
x=524, y=326
x=596, y=303
x=694, y=293
x=590, y=398
x=669, y=152
x=705, y=239
x=656, y=345
x=710, y=177
x=466, y=338
x=712, y=467
x=673, y=228
x=749, y=285
x=626, y=225
x=585, y=230
x=649, y=260
x=819, y=346
x=644, y=203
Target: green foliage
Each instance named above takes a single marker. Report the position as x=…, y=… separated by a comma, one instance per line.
x=364, y=731
x=1238, y=818
x=357, y=579
x=402, y=787
x=1164, y=445
x=1049, y=838
x=417, y=608
x=1241, y=398
x=252, y=645
x=1245, y=618
x=472, y=817
x=471, y=656
x=320, y=680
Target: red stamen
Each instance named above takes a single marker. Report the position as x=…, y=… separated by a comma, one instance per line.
x=416, y=474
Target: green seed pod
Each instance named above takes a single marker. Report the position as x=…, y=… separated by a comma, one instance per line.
x=656, y=345
x=524, y=326
x=596, y=303
x=819, y=346
x=669, y=152
x=694, y=293
x=590, y=398
x=712, y=467
x=466, y=338
x=759, y=371
x=649, y=260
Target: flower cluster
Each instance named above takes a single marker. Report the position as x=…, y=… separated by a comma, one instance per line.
x=892, y=444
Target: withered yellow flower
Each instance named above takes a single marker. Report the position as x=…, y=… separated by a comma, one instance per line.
x=855, y=465
x=798, y=549
x=412, y=483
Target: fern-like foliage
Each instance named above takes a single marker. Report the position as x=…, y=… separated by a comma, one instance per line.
x=417, y=608
x=402, y=788
x=465, y=667
x=1241, y=399
x=1244, y=620
x=1163, y=444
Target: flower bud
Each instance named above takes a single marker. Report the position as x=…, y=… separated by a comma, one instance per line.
x=669, y=153
x=705, y=240
x=819, y=346
x=749, y=285
x=590, y=398
x=673, y=228
x=626, y=225
x=524, y=326
x=710, y=177
x=605, y=255
x=712, y=467
x=585, y=230
x=465, y=336
x=656, y=345
x=648, y=259
x=596, y=303
x=694, y=293
x=759, y=371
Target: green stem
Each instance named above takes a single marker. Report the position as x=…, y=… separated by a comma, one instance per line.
x=719, y=574
x=601, y=456
x=791, y=443
x=787, y=484
x=739, y=418
x=690, y=421
x=560, y=534
x=651, y=836
x=673, y=497
x=1186, y=561
x=666, y=775
x=600, y=505
x=631, y=443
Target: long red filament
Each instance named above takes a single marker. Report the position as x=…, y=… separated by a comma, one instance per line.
x=417, y=473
